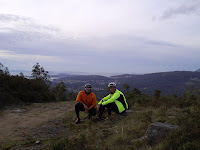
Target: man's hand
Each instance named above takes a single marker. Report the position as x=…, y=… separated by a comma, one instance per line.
x=98, y=106
x=86, y=108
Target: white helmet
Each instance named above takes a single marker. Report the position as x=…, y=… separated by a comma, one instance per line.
x=112, y=84
x=88, y=85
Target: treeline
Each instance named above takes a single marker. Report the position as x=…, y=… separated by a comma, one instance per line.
x=187, y=99
x=16, y=90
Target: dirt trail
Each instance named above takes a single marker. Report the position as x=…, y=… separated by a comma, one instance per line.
x=17, y=124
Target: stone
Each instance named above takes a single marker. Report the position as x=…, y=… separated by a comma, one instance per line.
x=158, y=131
x=18, y=110
x=129, y=111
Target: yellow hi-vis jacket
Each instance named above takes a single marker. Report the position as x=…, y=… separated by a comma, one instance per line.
x=118, y=98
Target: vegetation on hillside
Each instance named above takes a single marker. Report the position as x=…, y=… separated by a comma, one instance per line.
x=168, y=82
x=17, y=90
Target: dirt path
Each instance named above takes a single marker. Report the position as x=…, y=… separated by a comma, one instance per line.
x=16, y=124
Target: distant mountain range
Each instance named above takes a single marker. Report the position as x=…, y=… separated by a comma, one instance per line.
x=168, y=82
x=198, y=70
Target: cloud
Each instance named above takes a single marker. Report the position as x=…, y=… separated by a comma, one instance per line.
x=22, y=35
x=16, y=61
x=14, y=18
x=23, y=42
x=181, y=10
x=25, y=24
x=120, y=53
x=28, y=43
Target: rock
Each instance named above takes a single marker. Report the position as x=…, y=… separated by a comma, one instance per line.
x=129, y=111
x=18, y=110
x=171, y=117
x=37, y=142
x=158, y=131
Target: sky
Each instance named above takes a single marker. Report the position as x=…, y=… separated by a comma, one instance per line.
x=100, y=36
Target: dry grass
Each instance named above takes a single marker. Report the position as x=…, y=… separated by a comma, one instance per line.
x=118, y=132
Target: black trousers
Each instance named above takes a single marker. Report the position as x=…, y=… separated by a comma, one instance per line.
x=80, y=107
x=110, y=107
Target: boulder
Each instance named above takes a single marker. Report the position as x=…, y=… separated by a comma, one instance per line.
x=158, y=131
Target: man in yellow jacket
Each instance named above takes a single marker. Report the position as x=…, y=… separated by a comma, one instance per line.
x=86, y=101
x=115, y=102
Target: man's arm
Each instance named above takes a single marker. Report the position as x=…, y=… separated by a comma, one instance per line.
x=104, y=99
x=112, y=99
x=94, y=102
x=78, y=98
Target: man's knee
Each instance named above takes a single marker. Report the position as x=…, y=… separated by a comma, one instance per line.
x=77, y=106
x=101, y=108
x=92, y=111
x=112, y=107
x=108, y=105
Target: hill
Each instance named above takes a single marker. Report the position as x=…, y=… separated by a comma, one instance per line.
x=168, y=82
x=49, y=126
x=197, y=70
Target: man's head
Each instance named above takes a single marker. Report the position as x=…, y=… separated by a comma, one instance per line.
x=88, y=88
x=112, y=87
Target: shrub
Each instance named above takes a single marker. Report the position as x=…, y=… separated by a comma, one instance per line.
x=188, y=135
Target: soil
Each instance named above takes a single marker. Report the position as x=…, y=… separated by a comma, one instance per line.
x=36, y=121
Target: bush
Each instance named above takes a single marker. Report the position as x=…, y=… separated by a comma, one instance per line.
x=17, y=89
x=188, y=135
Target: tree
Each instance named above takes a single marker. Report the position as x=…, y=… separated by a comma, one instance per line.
x=38, y=72
x=4, y=70
x=1, y=68
x=157, y=94
x=21, y=74
x=126, y=87
x=72, y=96
x=136, y=91
x=7, y=71
x=60, y=91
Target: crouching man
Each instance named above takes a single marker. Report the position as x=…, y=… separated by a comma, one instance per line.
x=86, y=101
x=115, y=102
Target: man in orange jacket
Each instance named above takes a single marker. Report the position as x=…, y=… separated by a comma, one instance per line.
x=86, y=101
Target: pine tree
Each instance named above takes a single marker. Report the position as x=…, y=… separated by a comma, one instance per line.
x=38, y=72
x=60, y=91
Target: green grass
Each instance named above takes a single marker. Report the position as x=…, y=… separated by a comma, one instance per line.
x=7, y=146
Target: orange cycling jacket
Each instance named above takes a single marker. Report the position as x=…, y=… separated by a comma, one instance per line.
x=88, y=99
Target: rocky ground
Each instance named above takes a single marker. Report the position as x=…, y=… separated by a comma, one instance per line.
x=33, y=123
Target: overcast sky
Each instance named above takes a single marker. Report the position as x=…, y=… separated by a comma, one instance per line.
x=100, y=36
